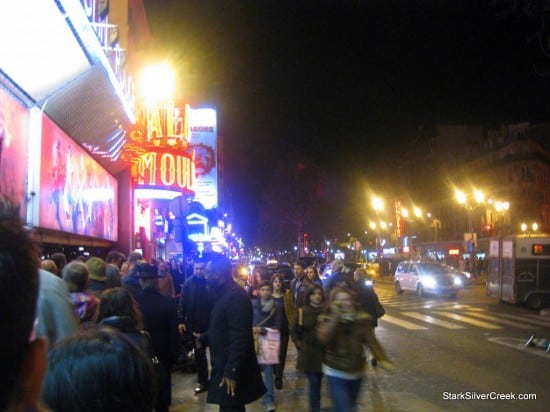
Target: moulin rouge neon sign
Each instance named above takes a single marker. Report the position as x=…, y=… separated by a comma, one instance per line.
x=162, y=167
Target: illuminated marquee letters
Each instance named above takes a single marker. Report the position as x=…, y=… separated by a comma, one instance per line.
x=163, y=168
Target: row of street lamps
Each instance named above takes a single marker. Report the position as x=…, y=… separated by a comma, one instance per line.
x=470, y=201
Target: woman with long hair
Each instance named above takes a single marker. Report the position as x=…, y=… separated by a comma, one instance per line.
x=310, y=350
x=313, y=275
x=118, y=309
x=345, y=330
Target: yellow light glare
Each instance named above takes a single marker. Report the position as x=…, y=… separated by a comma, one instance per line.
x=460, y=196
x=157, y=83
x=417, y=212
x=377, y=203
x=404, y=213
x=479, y=196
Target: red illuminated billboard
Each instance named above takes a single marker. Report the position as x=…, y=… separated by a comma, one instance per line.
x=14, y=132
x=76, y=194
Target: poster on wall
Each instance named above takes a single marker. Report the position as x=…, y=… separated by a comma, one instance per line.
x=76, y=194
x=14, y=130
x=202, y=135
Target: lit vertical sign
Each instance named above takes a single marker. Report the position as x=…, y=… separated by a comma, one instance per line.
x=202, y=134
x=398, y=221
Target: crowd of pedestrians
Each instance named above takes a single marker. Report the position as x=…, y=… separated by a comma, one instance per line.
x=106, y=334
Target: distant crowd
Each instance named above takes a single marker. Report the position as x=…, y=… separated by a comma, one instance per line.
x=97, y=334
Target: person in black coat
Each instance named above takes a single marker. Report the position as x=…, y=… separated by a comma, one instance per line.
x=235, y=378
x=194, y=309
x=160, y=320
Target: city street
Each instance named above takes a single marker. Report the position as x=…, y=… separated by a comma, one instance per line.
x=449, y=354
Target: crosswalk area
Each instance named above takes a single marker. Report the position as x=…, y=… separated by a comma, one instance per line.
x=413, y=313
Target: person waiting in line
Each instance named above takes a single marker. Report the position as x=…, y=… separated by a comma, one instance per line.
x=56, y=315
x=160, y=320
x=166, y=283
x=99, y=369
x=76, y=275
x=310, y=350
x=60, y=260
x=130, y=279
x=112, y=273
x=118, y=309
x=23, y=355
x=278, y=285
x=194, y=316
x=49, y=266
x=126, y=267
x=97, y=268
x=116, y=258
x=266, y=314
x=345, y=330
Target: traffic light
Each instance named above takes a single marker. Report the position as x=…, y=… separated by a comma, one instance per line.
x=487, y=227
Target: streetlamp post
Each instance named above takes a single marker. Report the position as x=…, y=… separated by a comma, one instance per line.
x=464, y=200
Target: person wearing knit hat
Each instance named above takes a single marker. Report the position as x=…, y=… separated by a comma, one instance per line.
x=98, y=277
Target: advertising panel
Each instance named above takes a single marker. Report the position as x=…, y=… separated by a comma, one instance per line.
x=14, y=130
x=202, y=135
x=76, y=194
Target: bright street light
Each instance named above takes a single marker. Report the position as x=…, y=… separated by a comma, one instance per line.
x=157, y=83
x=377, y=204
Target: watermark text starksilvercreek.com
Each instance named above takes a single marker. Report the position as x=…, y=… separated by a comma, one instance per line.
x=472, y=395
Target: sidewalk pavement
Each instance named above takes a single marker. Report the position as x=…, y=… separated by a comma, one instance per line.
x=293, y=396
x=376, y=393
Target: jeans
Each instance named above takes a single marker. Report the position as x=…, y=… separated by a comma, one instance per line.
x=344, y=393
x=314, y=379
x=269, y=397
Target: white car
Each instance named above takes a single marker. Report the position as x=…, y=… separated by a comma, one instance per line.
x=426, y=277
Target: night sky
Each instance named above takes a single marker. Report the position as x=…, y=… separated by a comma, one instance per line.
x=347, y=83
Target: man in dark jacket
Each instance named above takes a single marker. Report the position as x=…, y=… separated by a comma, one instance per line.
x=195, y=311
x=236, y=378
x=160, y=320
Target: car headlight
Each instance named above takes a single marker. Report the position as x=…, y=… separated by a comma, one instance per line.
x=368, y=282
x=429, y=281
x=457, y=281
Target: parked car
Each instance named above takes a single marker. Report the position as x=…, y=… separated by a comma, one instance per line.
x=426, y=277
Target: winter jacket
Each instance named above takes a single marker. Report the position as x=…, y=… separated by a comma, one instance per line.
x=345, y=342
x=304, y=336
x=231, y=343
